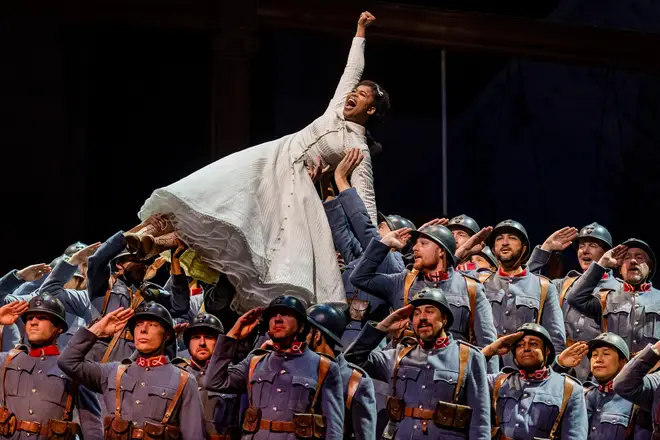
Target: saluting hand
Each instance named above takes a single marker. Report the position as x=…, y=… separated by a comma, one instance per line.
x=502, y=345
x=396, y=320
x=474, y=244
x=83, y=254
x=10, y=313
x=614, y=257
x=111, y=323
x=572, y=356
x=246, y=324
x=560, y=240
x=435, y=221
x=34, y=272
x=397, y=239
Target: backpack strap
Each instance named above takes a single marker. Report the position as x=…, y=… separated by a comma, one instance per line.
x=568, y=390
x=404, y=351
x=630, y=430
x=353, y=384
x=603, y=305
x=483, y=276
x=73, y=389
x=407, y=285
x=499, y=381
x=136, y=300
x=545, y=283
x=472, y=296
x=183, y=379
x=324, y=366
x=121, y=369
x=10, y=357
x=106, y=301
x=568, y=282
x=253, y=365
x=463, y=356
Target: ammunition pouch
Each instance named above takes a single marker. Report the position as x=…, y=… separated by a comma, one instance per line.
x=153, y=431
x=8, y=422
x=395, y=408
x=61, y=430
x=319, y=426
x=251, y=419
x=304, y=425
x=117, y=429
x=452, y=416
x=358, y=309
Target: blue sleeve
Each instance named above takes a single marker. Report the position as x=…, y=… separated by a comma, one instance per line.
x=98, y=266
x=345, y=243
x=75, y=302
x=363, y=410
x=221, y=375
x=484, y=327
x=358, y=216
x=580, y=296
x=634, y=383
x=575, y=423
x=9, y=283
x=89, y=412
x=177, y=285
x=193, y=427
x=553, y=319
x=332, y=403
x=363, y=352
x=92, y=375
x=476, y=382
x=366, y=277
x=538, y=260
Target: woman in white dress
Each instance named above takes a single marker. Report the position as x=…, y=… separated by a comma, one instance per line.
x=255, y=215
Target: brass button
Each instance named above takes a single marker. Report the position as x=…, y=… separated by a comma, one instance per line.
x=30, y=411
x=34, y=390
x=142, y=383
x=137, y=402
x=283, y=372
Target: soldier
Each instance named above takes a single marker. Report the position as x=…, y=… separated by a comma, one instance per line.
x=437, y=381
x=517, y=296
x=433, y=251
x=610, y=415
x=291, y=389
x=592, y=242
x=220, y=410
x=632, y=308
x=38, y=399
x=463, y=227
x=639, y=383
x=531, y=400
x=486, y=263
x=328, y=323
x=352, y=230
x=156, y=395
x=123, y=287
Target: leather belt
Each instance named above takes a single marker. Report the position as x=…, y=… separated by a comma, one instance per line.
x=419, y=413
x=218, y=437
x=277, y=426
x=32, y=427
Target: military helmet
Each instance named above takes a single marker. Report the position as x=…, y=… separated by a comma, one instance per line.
x=596, y=232
x=488, y=255
x=395, y=222
x=436, y=297
x=441, y=236
x=465, y=223
x=511, y=227
x=152, y=311
x=75, y=247
x=48, y=305
x=609, y=340
x=329, y=319
x=285, y=302
x=203, y=321
x=636, y=243
x=534, y=329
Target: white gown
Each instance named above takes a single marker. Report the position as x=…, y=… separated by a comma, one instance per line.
x=255, y=215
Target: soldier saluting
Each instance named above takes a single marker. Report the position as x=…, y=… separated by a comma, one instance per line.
x=291, y=390
x=150, y=396
x=37, y=398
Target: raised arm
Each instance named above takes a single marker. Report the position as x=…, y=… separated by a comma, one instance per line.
x=342, y=236
x=354, y=66
x=634, y=383
x=98, y=271
x=556, y=242
x=365, y=276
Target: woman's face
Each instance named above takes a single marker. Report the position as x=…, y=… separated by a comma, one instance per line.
x=359, y=105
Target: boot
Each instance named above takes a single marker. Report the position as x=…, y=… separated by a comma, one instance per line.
x=154, y=225
x=151, y=246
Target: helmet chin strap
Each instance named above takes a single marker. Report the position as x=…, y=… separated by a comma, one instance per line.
x=516, y=264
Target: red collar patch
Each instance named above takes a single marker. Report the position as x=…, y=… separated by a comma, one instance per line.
x=644, y=287
x=466, y=267
x=50, y=350
x=503, y=274
x=607, y=388
x=296, y=348
x=541, y=374
x=436, y=277
x=157, y=361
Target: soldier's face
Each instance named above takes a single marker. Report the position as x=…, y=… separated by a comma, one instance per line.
x=460, y=236
x=40, y=330
x=588, y=252
x=481, y=262
x=149, y=336
x=428, y=322
x=531, y=352
x=508, y=247
x=605, y=363
x=282, y=325
x=201, y=346
x=636, y=266
x=383, y=229
x=428, y=256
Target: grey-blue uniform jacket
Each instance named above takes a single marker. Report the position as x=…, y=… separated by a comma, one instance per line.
x=147, y=392
x=609, y=416
x=635, y=384
x=352, y=231
x=360, y=419
x=36, y=390
x=366, y=277
x=579, y=327
x=635, y=316
x=98, y=276
x=516, y=300
x=220, y=409
x=282, y=384
x=424, y=378
x=529, y=408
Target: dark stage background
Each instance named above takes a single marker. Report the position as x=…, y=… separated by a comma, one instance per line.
x=97, y=115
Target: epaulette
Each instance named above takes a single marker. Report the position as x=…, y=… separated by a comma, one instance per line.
x=469, y=345
x=573, y=273
x=355, y=367
x=589, y=386
x=509, y=369
x=22, y=347
x=571, y=377
x=484, y=276
x=471, y=276
x=407, y=341
x=180, y=362
x=259, y=351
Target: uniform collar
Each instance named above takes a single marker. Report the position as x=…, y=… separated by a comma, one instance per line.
x=607, y=388
x=296, y=348
x=50, y=350
x=644, y=287
x=466, y=267
x=439, y=343
x=503, y=274
x=436, y=277
x=537, y=375
x=198, y=367
x=156, y=361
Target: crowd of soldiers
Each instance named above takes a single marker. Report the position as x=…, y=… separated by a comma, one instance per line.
x=448, y=331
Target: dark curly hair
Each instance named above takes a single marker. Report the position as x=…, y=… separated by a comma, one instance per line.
x=382, y=105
